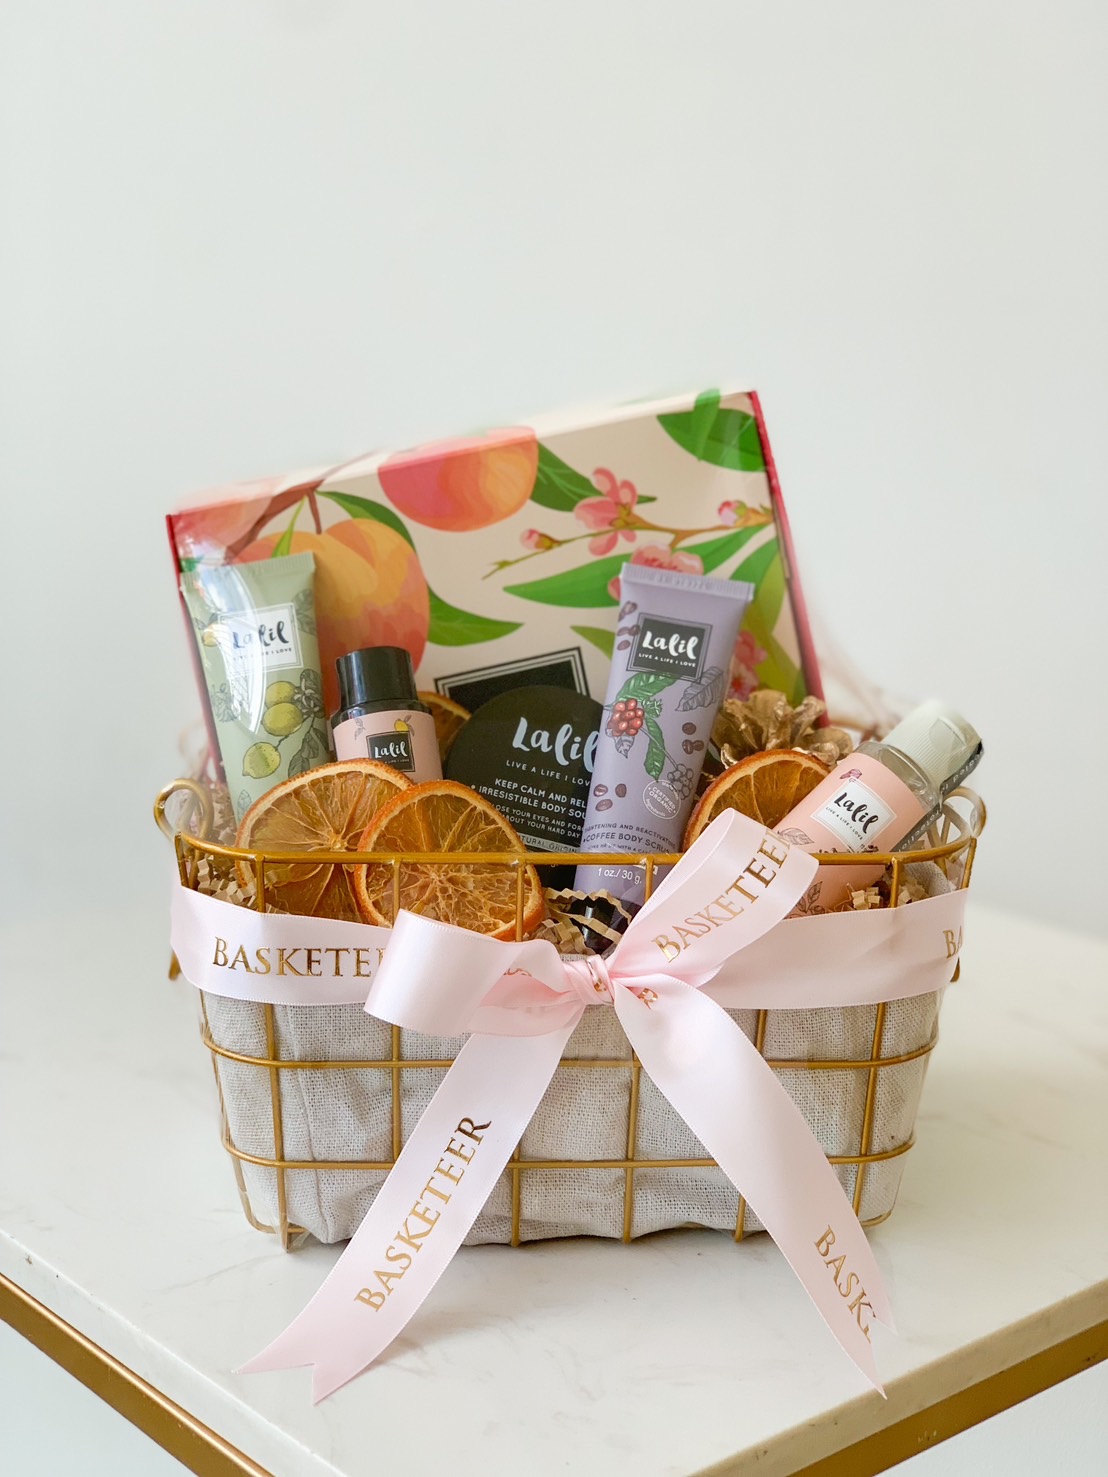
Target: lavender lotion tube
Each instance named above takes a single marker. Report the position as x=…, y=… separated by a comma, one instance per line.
x=670, y=671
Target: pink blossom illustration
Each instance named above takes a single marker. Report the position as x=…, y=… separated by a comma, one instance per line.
x=744, y=676
x=536, y=540
x=609, y=515
x=657, y=556
x=734, y=514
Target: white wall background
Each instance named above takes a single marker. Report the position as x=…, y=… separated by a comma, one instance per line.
x=240, y=238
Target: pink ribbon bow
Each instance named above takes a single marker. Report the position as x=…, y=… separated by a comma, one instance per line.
x=521, y=1003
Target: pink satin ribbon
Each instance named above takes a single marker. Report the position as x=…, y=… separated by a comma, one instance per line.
x=711, y=938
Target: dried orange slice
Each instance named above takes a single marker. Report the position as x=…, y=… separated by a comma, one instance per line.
x=324, y=809
x=444, y=816
x=449, y=717
x=763, y=786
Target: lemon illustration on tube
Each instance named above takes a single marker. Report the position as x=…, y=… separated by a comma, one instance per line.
x=260, y=761
x=282, y=718
x=279, y=692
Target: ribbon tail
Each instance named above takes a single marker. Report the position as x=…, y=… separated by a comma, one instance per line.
x=425, y=1208
x=287, y=1351
x=720, y=1084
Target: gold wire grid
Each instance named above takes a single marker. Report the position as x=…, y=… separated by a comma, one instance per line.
x=951, y=845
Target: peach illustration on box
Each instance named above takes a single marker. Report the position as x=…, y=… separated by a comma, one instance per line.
x=462, y=485
x=210, y=531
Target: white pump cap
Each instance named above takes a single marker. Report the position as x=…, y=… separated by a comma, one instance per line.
x=937, y=738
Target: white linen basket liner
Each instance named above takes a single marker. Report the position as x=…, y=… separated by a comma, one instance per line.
x=861, y=1115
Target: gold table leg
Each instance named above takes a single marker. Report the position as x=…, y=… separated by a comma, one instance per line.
x=193, y=1443
x=949, y=1417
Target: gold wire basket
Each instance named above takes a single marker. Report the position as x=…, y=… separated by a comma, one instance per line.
x=316, y=1102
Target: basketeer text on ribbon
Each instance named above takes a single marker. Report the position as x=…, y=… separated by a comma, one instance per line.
x=713, y=937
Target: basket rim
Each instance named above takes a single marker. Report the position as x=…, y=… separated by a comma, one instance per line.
x=969, y=829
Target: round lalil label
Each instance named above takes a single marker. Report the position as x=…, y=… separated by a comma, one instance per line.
x=530, y=751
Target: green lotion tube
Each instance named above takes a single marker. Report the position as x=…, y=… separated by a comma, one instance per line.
x=256, y=634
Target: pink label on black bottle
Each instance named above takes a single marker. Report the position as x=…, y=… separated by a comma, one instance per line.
x=404, y=740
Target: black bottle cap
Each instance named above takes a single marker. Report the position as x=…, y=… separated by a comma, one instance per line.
x=376, y=674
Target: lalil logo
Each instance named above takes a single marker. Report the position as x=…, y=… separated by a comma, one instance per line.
x=393, y=747
x=565, y=748
x=855, y=813
x=674, y=647
x=269, y=638
x=271, y=631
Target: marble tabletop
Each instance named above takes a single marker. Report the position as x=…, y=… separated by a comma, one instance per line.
x=118, y=1211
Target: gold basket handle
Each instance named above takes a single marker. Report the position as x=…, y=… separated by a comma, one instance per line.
x=196, y=818
x=972, y=822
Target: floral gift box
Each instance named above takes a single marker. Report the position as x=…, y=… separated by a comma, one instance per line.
x=494, y=558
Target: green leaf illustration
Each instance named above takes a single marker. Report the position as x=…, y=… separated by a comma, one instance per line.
x=757, y=567
x=313, y=751
x=716, y=433
x=655, y=759
x=283, y=545
x=603, y=640
x=766, y=572
x=701, y=419
x=559, y=487
x=779, y=671
x=453, y=627
x=643, y=685
x=362, y=507
x=717, y=551
x=585, y=586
